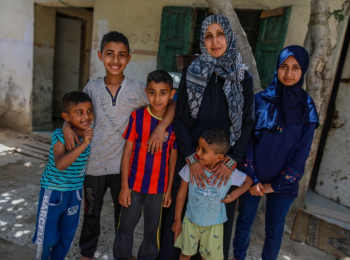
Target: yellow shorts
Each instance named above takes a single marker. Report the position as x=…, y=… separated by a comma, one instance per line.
x=211, y=240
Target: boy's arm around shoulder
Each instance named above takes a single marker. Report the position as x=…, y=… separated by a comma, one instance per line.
x=155, y=141
x=64, y=159
x=239, y=190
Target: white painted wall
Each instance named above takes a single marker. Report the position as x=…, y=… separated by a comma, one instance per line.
x=16, y=71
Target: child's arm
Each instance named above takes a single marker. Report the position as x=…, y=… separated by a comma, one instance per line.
x=180, y=202
x=155, y=141
x=124, y=195
x=238, y=191
x=70, y=137
x=172, y=162
x=64, y=159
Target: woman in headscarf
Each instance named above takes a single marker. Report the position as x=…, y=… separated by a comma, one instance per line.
x=216, y=90
x=285, y=121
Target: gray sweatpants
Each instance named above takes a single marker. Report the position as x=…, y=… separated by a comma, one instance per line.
x=152, y=209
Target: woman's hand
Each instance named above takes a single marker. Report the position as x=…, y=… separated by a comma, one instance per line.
x=197, y=172
x=221, y=173
x=268, y=188
x=70, y=137
x=155, y=141
x=125, y=197
x=176, y=228
x=257, y=190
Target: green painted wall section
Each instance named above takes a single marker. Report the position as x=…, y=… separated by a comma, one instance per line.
x=271, y=38
x=175, y=36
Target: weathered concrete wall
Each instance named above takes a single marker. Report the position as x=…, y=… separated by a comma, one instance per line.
x=44, y=49
x=140, y=21
x=141, y=24
x=16, y=73
x=75, y=3
x=18, y=54
x=333, y=179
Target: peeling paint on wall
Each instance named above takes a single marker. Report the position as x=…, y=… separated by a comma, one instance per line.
x=96, y=66
x=333, y=178
x=139, y=69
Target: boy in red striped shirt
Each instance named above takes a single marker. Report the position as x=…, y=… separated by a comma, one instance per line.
x=146, y=178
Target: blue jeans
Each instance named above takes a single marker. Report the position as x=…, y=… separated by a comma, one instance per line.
x=276, y=211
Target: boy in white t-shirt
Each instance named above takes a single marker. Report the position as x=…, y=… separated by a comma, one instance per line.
x=206, y=212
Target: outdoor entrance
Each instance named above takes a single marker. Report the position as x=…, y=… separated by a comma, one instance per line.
x=66, y=61
x=61, y=60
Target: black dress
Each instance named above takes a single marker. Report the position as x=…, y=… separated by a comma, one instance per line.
x=213, y=112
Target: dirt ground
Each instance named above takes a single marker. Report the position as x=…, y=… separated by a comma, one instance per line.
x=19, y=188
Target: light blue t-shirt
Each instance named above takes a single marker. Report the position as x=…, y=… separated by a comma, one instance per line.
x=204, y=207
x=72, y=178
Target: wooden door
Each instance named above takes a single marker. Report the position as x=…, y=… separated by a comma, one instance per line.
x=175, y=35
x=272, y=33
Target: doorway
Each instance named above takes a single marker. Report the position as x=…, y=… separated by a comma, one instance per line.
x=67, y=61
x=62, y=49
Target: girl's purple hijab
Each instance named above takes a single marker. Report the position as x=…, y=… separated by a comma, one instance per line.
x=297, y=107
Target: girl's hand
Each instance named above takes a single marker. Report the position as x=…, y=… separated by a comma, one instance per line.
x=257, y=190
x=197, y=172
x=222, y=173
x=167, y=199
x=155, y=141
x=125, y=197
x=70, y=137
x=177, y=228
x=268, y=188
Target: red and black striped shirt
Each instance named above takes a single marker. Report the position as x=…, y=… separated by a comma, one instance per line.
x=148, y=172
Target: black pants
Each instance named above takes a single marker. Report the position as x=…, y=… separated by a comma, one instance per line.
x=152, y=210
x=95, y=188
x=167, y=249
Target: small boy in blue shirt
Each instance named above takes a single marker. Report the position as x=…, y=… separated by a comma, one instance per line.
x=62, y=181
x=206, y=212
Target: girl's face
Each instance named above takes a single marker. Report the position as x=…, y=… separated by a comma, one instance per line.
x=215, y=40
x=289, y=73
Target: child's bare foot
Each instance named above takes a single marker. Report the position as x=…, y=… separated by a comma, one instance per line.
x=85, y=258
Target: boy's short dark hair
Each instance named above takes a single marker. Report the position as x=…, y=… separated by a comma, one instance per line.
x=114, y=36
x=160, y=76
x=75, y=97
x=218, y=139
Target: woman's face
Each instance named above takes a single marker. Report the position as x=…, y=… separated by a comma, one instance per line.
x=215, y=40
x=289, y=73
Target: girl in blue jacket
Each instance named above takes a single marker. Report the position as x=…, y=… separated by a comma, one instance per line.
x=285, y=121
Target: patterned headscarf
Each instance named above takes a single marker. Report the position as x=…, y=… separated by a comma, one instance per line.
x=229, y=66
